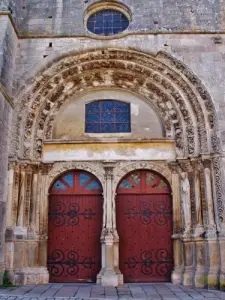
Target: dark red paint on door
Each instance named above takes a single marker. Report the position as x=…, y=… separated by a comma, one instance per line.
x=75, y=222
x=144, y=223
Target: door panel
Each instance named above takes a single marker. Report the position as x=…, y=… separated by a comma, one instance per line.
x=75, y=221
x=144, y=223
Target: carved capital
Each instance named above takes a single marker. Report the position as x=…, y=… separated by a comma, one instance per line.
x=109, y=236
x=109, y=167
x=174, y=167
x=44, y=169
x=185, y=165
x=197, y=164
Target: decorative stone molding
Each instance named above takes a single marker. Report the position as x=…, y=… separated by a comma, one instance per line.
x=219, y=190
x=6, y=95
x=124, y=168
x=182, y=101
x=95, y=168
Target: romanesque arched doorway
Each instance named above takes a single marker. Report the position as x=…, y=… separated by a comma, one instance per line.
x=144, y=223
x=75, y=222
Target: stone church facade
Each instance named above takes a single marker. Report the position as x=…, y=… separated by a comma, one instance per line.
x=167, y=67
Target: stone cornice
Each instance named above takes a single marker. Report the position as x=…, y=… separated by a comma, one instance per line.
x=28, y=35
x=6, y=95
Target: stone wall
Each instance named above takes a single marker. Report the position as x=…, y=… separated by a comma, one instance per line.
x=5, y=116
x=66, y=17
x=8, y=44
x=203, y=54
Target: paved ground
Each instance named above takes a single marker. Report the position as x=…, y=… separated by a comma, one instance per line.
x=91, y=291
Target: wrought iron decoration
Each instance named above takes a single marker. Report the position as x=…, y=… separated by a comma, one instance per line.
x=58, y=262
x=60, y=215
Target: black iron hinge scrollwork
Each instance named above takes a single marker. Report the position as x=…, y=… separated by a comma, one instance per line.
x=160, y=215
x=58, y=263
x=159, y=262
x=60, y=215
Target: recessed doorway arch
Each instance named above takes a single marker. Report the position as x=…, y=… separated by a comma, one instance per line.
x=75, y=223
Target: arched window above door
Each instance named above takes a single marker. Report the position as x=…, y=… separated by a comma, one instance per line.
x=107, y=116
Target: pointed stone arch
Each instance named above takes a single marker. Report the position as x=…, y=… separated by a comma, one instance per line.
x=182, y=101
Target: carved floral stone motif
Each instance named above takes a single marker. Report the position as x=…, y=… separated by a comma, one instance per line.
x=179, y=95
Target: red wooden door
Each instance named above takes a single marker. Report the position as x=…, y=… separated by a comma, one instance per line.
x=144, y=223
x=75, y=222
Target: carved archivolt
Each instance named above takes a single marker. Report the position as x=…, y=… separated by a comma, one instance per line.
x=95, y=168
x=124, y=168
x=182, y=101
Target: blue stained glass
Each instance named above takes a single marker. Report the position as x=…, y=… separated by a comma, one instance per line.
x=92, y=127
x=123, y=107
x=92, y=106
x=125, y=184
x=108, y=117
x=95, y=117
x=107, y=105
x=116, y=18
x=69, y=179
x=122, y=117
x=116, y=30
x=94, y=185
x=84, y=177
x=59, y=185
x=112, y=22
x=112, y=116
x=122, y=127
x=107, y=128
x=98, y=24
x=98, y=30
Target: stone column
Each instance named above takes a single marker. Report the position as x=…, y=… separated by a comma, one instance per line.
x=177, y=274
x=9, y=220
x=211, y=234
x=43, y=215
x=186, y=192
x=32, y=230
x=109, y=274
x=20, y=230
x=200, y=230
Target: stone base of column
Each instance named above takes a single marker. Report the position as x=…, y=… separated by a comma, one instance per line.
x=2, y=271
x=177, y=276
x=110, y=274
x=200, y=278
x=222, y=281
x=24, y=276
x=189, y=269
x=188, y=277
x=109, y=278
x=213, y=280
x=201, y=260
x=214, y=259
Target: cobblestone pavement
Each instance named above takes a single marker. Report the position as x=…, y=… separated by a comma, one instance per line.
x=91, y=291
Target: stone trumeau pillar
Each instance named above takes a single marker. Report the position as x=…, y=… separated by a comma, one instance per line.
x=109, y=274
x=8, y=42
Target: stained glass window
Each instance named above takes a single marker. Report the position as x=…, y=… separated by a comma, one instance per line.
x=107, y=116
x=107, y=22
